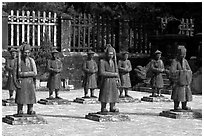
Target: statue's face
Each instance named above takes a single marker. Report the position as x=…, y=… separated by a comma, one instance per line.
x=182, y=55
x=158, y=56
x=90, y=56
x=55, y=55
x=26, y=53
x=13, y=54
x=125, y=56
x=110, y=55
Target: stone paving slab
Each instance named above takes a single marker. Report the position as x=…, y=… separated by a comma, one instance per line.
x=69, y=120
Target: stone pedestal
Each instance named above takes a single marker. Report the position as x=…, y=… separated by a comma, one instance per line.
x=156, y=99
x=53, y=101
x=128, y=100
x=107, y=117
x=8, y=102
x=87, y=100
x=181, y=114
x=24, y=119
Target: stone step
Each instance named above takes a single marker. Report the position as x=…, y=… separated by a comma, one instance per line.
x=107, y=117
x=87, y=100
x=54, y=101
x=129, y=100
x=181, y=114
x=156, y=99
x=24, y=119
x=149, y=89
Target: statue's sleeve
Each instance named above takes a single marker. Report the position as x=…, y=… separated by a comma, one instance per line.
x=105, y=73
x=187, y=66
x=120, y=68
x=34, y=67
x=8, y=67
x=84, y=68
x=156, y=70
x=32, y=73
x=61, y=66
x=174, y=72
x=129, y=66
x=49, y=66
x=95, y=67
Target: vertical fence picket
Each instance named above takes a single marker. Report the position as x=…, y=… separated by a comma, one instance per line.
x=23, y=26
x=98, y=33
x=44, y=19
x=89, y=25
x=79, y=30
x=33, y=30
x=17, y=31
x=74, y=39
x=84, y=30
x=12, y=27
x=39, y=28
x=49, y=27
x=55, y=29
x=28, y=27
x=93, y=33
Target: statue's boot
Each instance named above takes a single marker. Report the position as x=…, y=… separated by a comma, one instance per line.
x=86, y=93
x=113, y=108
x=121, y=94
x=159, y=93
x=51, y=94
x=20, y=109
x=11, y=94
x=92, y=93
x=184, y=107
x=176, y=105
x=57, y=94
x=126, y=94
x=103, y=107
x=30, y=109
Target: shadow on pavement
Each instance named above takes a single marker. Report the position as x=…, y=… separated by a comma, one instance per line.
x=63, y=116
x=144, y=114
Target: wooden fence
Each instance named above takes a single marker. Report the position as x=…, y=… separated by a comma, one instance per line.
x=87, y=31
x=186, y=27
x=31, y=27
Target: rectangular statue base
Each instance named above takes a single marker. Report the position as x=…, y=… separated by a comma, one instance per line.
x=107, y=117
x=87, y=100
x=129, y=100
x=8, y=102
x=181, y=114
x=53, y=101
x=24, y=119
x=156, y=99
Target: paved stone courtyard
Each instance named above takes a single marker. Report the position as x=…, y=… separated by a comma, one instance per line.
x=69, y=120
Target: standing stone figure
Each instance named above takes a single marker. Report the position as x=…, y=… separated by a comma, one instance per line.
x=157, y=68
x=124, y=67
x=9, y=67
x=182, y=76
x=24, y=72
x=54, y=67
x=109, y=78
x=90, y=69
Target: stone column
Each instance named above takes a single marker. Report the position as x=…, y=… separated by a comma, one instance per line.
x=4, y=30
x=66, y=31
x=124, y=41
